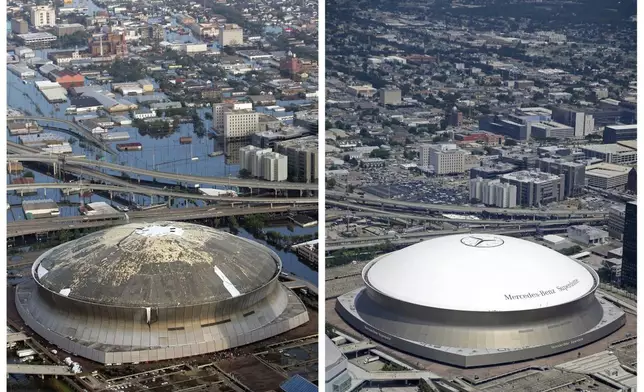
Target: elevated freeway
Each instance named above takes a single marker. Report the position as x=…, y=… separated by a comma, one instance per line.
x=357, y=202
x=46, y=225
x=39, y=370
x=251, y=184
x=412, y=238
x=160, y=192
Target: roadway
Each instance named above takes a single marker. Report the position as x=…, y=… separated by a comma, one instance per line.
x=185, y=178
x=39, y=370
x=371, y=212
x=412, y=238
x=357, y=202
x=16, y=337
x=44, y=225
x=159, y=192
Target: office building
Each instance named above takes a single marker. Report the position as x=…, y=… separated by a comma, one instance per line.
x=551, y=130
x=19, y=26
x=582, y=123
x=616, y=219
x=235, y=120
x=390, y=96
x=302, y=156
x=42, y=16
x=490, y=172
x=474, y=300
x=109, y=44
x=230, y=35
x=574, y=174
x=607, y=176
x=68, y=29
x=535, y=188
x=620, y=153
x=629, y=254
x=617, y=133
x=444, y=158
x=631, y=184
x=505, y=127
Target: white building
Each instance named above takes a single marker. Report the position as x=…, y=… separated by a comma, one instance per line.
x=493, y=192
x=264, y=163
x=43, y=15
x=551, y=129
x=275, y=167
x=445, y=158
x=587, y=235
x=194, y=48
x=230, y=35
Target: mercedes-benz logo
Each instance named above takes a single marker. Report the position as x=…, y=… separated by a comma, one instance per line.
x=482, y=241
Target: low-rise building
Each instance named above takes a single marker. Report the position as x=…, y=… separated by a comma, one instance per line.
x=535, y=188
x=607, y=176
x=620, y=153
x=587, y=235
x=551, y=130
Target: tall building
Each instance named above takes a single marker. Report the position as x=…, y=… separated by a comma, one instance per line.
x=455, y=117
x=43, y=15
x=493, y=192
x=390, y=96
x=616, y=218
x=302, y=155
x=574, y=174
x=230, y=35
x=445, y=158
x=235, y=120
x=583, y=123
x=629, y=255
x=617, y=133
x=535, y=188
x=19, y=26
x=275, y=167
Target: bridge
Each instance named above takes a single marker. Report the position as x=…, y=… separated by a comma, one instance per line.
x=17, y=337
x=185, y=178
x=159, y=192
x=73, y=128
x=39, y=370
x=46, y=225
x=357, y=202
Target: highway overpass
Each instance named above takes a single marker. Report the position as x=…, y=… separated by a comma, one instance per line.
x=38, y=370
x=159, y=192
x=184, y=178
x=45, y=225
x=357, y=202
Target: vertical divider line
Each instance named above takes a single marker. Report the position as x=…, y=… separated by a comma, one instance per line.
x=321, y=188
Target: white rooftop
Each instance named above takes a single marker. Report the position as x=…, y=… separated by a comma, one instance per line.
x=479, y=272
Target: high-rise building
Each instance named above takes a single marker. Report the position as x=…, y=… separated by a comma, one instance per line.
x=230, y=35
x=445, y=158
x=275, y=167
x=235, y=120
x=493, y=192
x=536, y=188
x=43, y=15
x=616, y=218
x=302, y=158
x=629, y=255
x=574, y=174
x=455, y=117
x=583, y=123
x=390, y=96
x=617, y=133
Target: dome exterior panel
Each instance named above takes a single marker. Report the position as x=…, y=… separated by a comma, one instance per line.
x=479, y=273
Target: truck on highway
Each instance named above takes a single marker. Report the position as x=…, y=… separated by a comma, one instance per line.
x=339, y=340
x=25, y=353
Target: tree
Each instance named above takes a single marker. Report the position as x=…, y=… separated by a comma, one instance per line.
x=379, y=153
x=244, y=173
x=510, y=142
x=330, y=183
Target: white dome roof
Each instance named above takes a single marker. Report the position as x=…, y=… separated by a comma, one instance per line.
x=479, y=272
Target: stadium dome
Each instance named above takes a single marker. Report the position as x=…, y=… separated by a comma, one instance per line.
x=153, y=291
x=479, y=299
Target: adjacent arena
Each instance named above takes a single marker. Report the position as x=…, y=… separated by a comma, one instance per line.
x=478, y=300
x=149, y=292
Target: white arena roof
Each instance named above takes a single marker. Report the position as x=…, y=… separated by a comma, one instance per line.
x=479, y=272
